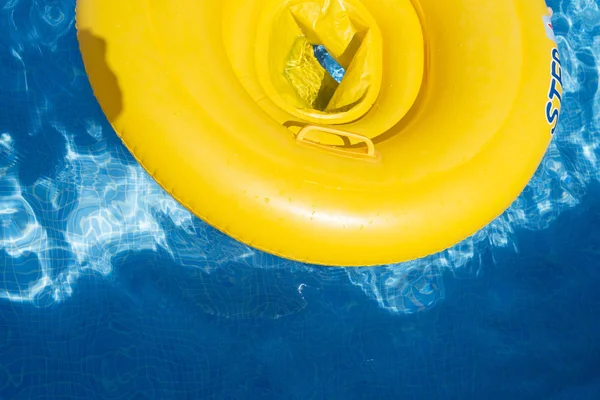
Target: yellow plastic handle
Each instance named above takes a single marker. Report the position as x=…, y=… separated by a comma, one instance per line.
x=301, y=137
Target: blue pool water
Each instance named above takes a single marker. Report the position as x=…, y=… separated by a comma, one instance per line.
x=111, y=290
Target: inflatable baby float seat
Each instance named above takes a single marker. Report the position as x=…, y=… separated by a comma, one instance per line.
x=444, y=113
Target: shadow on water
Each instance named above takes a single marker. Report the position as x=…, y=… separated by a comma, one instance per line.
x=102, y=79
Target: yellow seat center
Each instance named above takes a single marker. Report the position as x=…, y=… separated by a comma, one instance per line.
x=298, y=82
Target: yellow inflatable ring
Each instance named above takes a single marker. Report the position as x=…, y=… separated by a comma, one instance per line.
x=443, y=116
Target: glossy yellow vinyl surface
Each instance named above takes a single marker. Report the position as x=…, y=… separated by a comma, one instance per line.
x=445, y=112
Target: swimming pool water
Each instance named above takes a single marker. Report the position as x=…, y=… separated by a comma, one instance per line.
x=111, y=290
